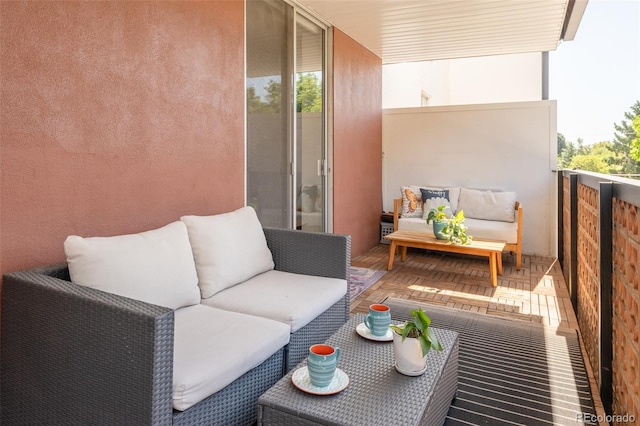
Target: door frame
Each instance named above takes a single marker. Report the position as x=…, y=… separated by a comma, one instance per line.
x=327, y=149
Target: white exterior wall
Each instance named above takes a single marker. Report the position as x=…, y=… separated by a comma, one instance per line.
x=491, y=79
x=508, y=147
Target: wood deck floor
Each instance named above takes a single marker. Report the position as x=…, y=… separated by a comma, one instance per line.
x=536, y=293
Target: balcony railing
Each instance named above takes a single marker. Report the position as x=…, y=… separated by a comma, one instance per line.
x=599, y=250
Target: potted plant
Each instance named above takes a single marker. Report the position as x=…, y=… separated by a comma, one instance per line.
x=412, y=341
x=448, y=228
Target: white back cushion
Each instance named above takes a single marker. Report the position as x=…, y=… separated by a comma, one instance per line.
x=487, y=205
x=228, y=248
x=155, y=266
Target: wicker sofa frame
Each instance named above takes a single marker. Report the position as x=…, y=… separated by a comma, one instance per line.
x=75, y=355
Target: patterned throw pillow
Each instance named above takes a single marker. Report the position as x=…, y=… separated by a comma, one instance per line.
x=434, y=198
x=411, y=201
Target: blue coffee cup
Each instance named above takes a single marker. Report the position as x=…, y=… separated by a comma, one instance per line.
x=378, y=319
x=321, y=364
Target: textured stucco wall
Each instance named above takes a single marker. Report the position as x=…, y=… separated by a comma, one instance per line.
x=116, y=117
x=357, y=129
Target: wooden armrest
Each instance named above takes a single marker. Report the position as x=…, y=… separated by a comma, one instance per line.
x=397, y=206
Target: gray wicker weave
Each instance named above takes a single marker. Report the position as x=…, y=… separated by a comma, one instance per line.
x=312, y=253
x=377, y=394
x=73, y=355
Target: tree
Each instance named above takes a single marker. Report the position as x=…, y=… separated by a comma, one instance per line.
x=255, y=104
x=309, y=93
x=562, y=143
x=624, y=136
x=598, y=158
x=274, y=96
x=569, y=151
x=635, y=144
x=590, y=163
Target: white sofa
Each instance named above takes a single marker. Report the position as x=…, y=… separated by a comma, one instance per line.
x=185, y=324
x=489, y=215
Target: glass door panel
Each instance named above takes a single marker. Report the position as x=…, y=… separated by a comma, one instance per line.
x=269, y=78
x=309, y=143
x=285, y=91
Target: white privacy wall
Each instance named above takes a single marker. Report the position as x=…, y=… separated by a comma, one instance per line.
x=500, y=78
x=508, y=147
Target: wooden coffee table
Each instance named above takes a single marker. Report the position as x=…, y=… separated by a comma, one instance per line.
x=423, y=240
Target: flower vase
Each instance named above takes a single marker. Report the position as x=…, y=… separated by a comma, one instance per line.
x=408, y=356
x=437, y=230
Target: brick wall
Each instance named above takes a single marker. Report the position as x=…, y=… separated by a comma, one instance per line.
x=626, y=315
x=588, y=274
x=566, y=230
x=625, y=285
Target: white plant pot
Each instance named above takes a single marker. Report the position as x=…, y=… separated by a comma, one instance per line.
x=408, y=354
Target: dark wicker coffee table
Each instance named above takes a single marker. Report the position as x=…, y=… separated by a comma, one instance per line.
x=377, y=394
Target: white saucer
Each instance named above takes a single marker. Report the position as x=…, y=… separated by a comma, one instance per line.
x=410, y=373
x=301, y=380
x=364, y=331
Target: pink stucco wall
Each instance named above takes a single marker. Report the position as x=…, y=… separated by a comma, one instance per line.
x=116, y=117
x=119, y=117
x=357, y=142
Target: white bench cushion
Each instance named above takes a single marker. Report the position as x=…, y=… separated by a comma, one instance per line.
x=212, y=348
x=228, y=248
x=292, y=299
x=477, y=228
x=154, y=266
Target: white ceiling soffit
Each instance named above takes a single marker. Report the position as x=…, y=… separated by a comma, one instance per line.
x=422, y=30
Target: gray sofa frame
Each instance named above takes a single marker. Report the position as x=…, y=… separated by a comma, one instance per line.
x=76, y=356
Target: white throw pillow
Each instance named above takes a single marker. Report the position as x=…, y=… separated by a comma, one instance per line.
x=155, y=266
x=487, y=205
x=228, y=248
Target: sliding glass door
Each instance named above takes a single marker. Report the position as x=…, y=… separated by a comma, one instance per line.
x=286, y=120
x=310, y=121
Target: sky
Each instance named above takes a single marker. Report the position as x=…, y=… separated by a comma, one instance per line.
x=596, y=77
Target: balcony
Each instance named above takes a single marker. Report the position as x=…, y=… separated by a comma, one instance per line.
x=111, y=125
x=592, y=286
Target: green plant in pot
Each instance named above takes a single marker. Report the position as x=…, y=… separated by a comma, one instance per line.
x=449, y=228
x=412, y=341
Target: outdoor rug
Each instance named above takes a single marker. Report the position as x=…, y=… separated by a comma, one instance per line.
x=361, y=279
x=511, y=372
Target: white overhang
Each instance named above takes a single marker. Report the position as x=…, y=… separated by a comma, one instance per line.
x=422, y=30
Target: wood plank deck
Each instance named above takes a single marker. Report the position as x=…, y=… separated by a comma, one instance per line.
x=536, y=293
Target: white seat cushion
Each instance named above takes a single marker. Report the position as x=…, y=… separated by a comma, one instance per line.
x=292, y=299
x=212, y=348
x=477, y=228
x=228, y=248
x=155, y=266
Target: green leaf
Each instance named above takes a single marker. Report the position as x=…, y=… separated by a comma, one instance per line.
x=423, y=319
x=425, y=344
x=407, y=329
x=434, y=340
x=397, y=329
